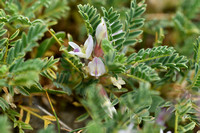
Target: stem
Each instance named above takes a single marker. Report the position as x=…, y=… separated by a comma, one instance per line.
x=57, y=40
x=26, y=109
x=150, y=59
x=57, y=121
x=176, y=122
x=134, y=77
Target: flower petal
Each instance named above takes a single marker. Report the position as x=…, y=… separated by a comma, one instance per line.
x=89, y=46
x=110, y=109
x=96, y=67
x=121, y=81
x=101, y=67
x=80, y=54
x=101, y=31
x=117, y=82
x=91, y=67
x=74, y=45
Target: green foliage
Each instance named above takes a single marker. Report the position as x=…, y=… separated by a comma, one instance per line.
x=49, y=67
x=25, y=73
x=196, y=78
x=159, y=38
x=114, y=27
x=122, y=88
x=55, y=9
x=26, y=43
x=62, y=82
x=141, y=99
x=159, y=57
x=47, y=10
x=134, y=22
x=144, y=73
x=185, y=111
x=47, y=43
x=190, y=9
x=91, y=17
x=184, y=25
x=4, y=125
x=49, y=129
x=197, y=50
x=3, y=104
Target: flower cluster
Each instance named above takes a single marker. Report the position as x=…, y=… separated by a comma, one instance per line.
x=96, y=66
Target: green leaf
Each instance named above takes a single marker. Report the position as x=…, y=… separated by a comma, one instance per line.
x=14, y=35
x=82, y=117
x=197, y=50
x=3, y=104
x=61, y=82
x=134, y=22
x=91, y=17
x=114, y=27
x=49, y=129
x=144, y=73
x=106, y=46
x=5, y=126
x=56, y=9
x=22, y=125
x=25, y=73
x=94, y=127
x=186, y=128
x=3, y=41
x=23, y=91
x=184, y=25
x=46, y=44
x=26, y=43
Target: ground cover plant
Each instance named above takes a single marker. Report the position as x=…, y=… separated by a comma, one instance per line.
x=99, y=66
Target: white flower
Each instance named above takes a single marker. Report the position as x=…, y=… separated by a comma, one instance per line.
x=109, y=108
x=128, y=130
x=101, y=31
x=96, y=67
x=117, y=82
x=161, y=131
x=86, y=51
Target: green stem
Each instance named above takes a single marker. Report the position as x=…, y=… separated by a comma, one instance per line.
x=57, y=121
x=152, y=58
x=176, y=123
x=134, y=77
x=57, y=40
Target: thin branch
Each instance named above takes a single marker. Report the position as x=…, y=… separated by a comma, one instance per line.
x=61, y=123
x=53, y=112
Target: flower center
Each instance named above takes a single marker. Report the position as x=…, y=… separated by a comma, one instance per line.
x=76, y=50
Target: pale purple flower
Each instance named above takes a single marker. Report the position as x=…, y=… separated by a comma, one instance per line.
x=96, y=67
x=84, y=52
x=101, y=31
x=164, y=115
